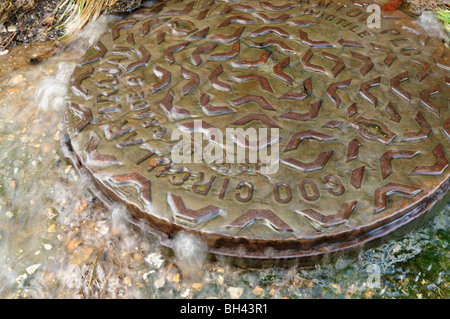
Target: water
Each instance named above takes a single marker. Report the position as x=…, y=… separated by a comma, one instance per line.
x=57, y=241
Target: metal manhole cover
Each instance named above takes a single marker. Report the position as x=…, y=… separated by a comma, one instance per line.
x=362, y=118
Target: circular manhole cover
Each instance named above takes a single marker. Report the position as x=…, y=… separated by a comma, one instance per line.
x=345, y=128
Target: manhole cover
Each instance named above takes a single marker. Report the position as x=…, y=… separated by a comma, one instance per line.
x=359, y=116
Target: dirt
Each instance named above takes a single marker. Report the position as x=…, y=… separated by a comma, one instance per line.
x=31, y=30
x=26, y=21
x=31, y=53
x=419, y=6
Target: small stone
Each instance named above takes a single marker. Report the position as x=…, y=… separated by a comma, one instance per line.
x=17, y=79
x=73, y=243
x=9, y=214
x=82, y=205
x=30, y=270
x=337, y=288
x=396, y=248
x=174, y=277
x=159, y=282
x=154, y=260
x=235, y=292
x=51, y=213
x=197, y=285
x=127, y=281
x=138, y=257
x=145, y=276
x=102, y=229
x=185, y=293
x=48, y=246
x=52, y=229
x=257, y=290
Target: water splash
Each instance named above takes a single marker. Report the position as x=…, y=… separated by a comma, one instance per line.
x=51, y=91
x=190, y=254
x=428, y=21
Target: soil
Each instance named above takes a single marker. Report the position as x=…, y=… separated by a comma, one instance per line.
x=419, y=6
x=26, y=21
x=30, y=30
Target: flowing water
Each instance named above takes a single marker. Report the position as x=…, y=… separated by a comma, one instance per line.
x=57, y=241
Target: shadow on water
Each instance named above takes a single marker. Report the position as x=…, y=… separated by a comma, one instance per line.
x=57, y=241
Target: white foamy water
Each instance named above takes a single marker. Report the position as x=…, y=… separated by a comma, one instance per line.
x=428, y=21
x=190, y=254
x=51, y=91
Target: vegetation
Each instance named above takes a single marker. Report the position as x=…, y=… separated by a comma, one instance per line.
x=76, y=13
x=25, y=21
x=444, y=16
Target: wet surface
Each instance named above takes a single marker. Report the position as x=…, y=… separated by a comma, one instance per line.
x=28, y=54
x=56, y=241
x=361, y=113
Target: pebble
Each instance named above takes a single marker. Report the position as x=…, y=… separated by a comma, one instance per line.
x=185, y=293
x=197, y=285
x=51, y=229
x=17, y=79
x=102, y=229
x=235, y=292
x=154, y=260
x=159, y=282
x=257, y=290
x=145, y=276
x=174, y=277
x=30, y=270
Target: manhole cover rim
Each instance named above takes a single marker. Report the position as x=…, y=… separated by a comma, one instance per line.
x=352, y=233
